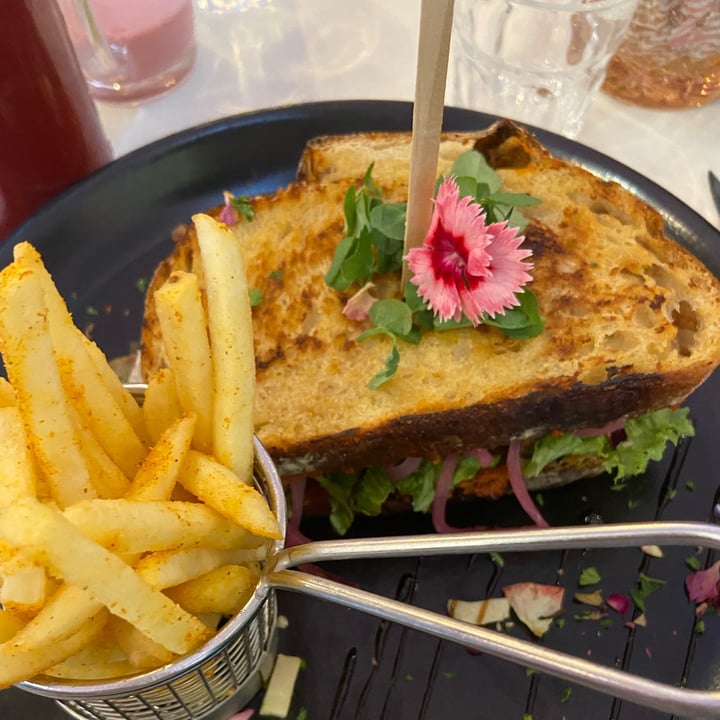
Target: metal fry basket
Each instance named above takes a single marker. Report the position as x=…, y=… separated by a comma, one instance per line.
x=223, y=675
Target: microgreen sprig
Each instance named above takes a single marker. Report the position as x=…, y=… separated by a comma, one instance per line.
x=243, y=205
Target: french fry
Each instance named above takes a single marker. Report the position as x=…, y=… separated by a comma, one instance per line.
x=18, y=475
x=157, y=476
x=231, y=344
x=136, y=526
x=107, y=478
x=10, y=625
x=100, y=660
x=19, y=661
x=220, y=488
x=25, y=590
x=224, y=590
x=161, y=406
x=127, y=403
x=99, y=413
x=62, y=616
x=67, y=553
x=162, y=570
x=7, y=394
x=182, y=321
x=91, y=396
x=140, y=651
x=29, y=358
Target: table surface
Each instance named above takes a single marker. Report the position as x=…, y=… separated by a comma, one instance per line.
x=259, y=54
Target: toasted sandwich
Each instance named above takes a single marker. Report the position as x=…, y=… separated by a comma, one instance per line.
x=631, y=328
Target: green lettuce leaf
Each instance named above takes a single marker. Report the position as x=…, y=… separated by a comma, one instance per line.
x=352, y=493
x=339, y=487
x=420, y=485
x=647, y=437
x=372, y=491
x=550, y=448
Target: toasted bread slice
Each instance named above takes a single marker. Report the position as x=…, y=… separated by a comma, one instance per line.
x=632, y=318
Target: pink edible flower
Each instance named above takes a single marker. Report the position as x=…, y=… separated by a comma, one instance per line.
x=358, y=306
x=704, y=585
x=228, y=215
x=465, y=266
x=619, y=603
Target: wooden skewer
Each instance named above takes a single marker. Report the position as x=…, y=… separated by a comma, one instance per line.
x=431, y=76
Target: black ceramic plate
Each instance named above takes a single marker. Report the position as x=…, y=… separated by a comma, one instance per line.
x=102, y=239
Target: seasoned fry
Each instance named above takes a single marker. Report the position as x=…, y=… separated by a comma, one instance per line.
x=133, y=526
x=18, y=476
x=182, y=320
x=156, y=478
x=231, y=343
x=54, y=541
x=223, y=590
x=219, y=487
x=91, y=396
x=132, y=411
x=19, y=661
x=163, y=570
x=107, y=478
x=161, y=406
x=140, y=651
x=29, y=358
x=24, y=591
x=61, y=617
x=99, y=413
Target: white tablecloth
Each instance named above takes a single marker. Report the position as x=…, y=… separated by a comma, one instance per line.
x=259, y=54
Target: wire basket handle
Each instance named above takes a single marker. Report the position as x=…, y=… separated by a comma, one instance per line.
x=617, y=683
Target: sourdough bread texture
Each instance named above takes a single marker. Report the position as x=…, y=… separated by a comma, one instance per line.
x=632, y=319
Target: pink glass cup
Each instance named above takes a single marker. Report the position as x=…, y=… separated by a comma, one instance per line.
x=132, y=49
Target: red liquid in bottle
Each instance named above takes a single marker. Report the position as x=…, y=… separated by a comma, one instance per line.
x=50, y=132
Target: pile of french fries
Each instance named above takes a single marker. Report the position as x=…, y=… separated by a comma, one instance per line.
x=127, y=531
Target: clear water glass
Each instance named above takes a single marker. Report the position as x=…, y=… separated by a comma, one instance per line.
x=537, y=61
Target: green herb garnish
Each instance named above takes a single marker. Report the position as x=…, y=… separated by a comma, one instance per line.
x=242, y=204
x=646, y=587
x=589, y=576
x=256, y=296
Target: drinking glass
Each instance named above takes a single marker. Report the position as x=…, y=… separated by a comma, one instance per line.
x=670, y=57
x=132, y=49
x=537, y=61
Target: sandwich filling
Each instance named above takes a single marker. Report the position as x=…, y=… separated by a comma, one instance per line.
x=623, y=449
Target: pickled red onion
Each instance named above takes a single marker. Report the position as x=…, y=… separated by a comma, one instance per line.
x=518, y=485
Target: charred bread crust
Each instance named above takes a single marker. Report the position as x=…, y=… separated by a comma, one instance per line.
x=536, y=413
